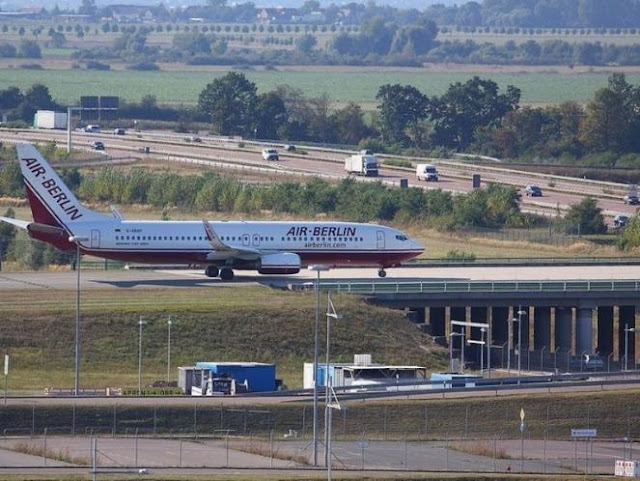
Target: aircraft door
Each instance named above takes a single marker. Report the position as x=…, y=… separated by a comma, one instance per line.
x=380, y=239
x=95, y=238
x=246, y=239
x=256, y=240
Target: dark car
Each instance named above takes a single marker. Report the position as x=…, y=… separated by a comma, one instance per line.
x=97, y=145
x=620, y=221
x=631, y=199
x=533, y=191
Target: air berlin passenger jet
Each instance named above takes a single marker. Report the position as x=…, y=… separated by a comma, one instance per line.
x=268, y=247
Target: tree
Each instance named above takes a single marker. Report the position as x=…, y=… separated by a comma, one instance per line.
x=193, y=43
x=401, y=107
x=417, y=39
x=305, y=43
x=58, y=40
x=271, y=115
x=466, y=107
x=231, y=101
x=88, y=7
x=612, y=117
x=38, y=96
x=586, y=217
x=10, y=98
x=348, y=124
x=29, y=49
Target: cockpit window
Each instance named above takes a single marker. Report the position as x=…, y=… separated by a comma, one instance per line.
x=401, y=237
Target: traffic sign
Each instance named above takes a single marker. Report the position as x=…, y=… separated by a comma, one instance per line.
x=584, y=433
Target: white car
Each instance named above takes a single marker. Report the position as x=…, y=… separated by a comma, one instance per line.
x=270, y=154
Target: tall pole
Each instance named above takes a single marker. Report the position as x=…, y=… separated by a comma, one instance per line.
x=519, y=338
x=462, y=353
x=327, y=454
x=481, y=350
x=140, y=324
x=168, y=350
x=627, y=330
x=315, y=372
x=76, y=383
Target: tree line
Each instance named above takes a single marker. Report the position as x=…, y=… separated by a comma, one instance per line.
x=472, y=116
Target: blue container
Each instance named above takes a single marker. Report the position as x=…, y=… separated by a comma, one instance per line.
x=260, y=377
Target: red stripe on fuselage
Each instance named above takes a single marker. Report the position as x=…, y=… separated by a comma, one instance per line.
x=332, y=258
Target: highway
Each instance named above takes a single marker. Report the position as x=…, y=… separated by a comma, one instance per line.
x=222, y=153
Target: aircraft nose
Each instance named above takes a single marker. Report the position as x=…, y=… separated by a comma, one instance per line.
x=417, y=245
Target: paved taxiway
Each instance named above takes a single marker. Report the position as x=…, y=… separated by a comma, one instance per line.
x=188, y=278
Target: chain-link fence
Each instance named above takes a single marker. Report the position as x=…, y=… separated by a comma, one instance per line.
x=502, y=435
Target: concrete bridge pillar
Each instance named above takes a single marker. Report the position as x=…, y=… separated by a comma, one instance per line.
x=584, y=334
x=563, y=328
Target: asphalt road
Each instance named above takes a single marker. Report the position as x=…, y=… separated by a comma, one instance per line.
x=227, y=154
x=188, y=278
x=188, y=456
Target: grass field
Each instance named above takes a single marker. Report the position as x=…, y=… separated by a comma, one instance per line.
x=342, y=85
x=227, y=323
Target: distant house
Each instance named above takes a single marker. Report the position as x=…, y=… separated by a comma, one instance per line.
x=131, y=13
x=278, y=15
x=26, y=12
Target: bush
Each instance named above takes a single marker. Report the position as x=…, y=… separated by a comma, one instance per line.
x=456, y=255
x=143, y=66
x=94, y=65
x=31, y=66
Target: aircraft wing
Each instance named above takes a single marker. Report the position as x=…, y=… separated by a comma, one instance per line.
x=225, y=251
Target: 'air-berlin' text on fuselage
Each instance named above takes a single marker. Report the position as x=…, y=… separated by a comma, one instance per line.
x=329, y=231
x=53, y=189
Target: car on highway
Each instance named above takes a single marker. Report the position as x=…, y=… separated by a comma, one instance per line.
x=97, y=145
x=532, y=191
x=290, y=148
x=92, y=128
x=270, y=154
x=620, y=221
x=193, y=138
x=119, y=131
x=631, y=199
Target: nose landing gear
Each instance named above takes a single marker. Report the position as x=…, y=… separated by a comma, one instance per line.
x=382, y=272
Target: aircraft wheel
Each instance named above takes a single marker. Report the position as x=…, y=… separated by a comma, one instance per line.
x=226, y=274
x=382, y=273
x=211, y=271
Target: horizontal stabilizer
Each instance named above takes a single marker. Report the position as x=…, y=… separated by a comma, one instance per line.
x=22, y=224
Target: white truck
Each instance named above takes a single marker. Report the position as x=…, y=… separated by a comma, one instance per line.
x=364, y=163
x=427, y=172
x=48, y=119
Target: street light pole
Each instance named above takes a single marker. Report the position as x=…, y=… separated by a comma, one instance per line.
x=520, y=314
x=140, y=324
x=168, y=350
x=627, y=330
x=76, y=383
x=328, y=383
x=482, y=330
x=318, y=269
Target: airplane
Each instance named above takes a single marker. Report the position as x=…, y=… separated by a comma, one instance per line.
x=220, y=246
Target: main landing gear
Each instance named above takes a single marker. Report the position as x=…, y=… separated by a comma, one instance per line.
x=226, y=274
x=382, y=272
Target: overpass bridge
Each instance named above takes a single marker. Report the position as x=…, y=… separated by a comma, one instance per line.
x=565, y=318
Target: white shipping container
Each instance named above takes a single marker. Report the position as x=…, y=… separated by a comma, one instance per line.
x=628, y=469
x=48, y=119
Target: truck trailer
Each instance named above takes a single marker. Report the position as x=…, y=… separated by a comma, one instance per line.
x=48, y=119
x=362, y=164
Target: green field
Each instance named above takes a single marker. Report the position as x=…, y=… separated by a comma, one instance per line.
x=342, y=86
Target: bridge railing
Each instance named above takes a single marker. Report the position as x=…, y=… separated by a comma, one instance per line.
x=430, y=287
